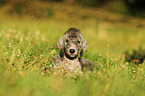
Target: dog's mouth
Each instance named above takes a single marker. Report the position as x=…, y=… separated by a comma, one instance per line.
x=72, y=55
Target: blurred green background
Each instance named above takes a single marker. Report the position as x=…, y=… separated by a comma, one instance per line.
x=35, y=7
x=102, y=22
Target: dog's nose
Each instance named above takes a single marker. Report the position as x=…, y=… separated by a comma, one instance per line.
x=72, y=51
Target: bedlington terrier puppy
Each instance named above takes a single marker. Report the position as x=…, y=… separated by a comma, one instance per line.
x=71, y=44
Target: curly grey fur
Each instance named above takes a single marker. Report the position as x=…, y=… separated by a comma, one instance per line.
x=71, y=44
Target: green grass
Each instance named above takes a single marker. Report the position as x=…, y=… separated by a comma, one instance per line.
x=26, y=46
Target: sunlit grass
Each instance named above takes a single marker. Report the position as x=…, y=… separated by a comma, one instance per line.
x=28, y=45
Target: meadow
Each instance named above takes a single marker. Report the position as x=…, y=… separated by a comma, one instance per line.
x=28, y=45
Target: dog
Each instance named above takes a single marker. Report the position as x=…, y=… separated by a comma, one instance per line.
x=71, y=44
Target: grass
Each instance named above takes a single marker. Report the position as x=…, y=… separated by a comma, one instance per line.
x=28, y=45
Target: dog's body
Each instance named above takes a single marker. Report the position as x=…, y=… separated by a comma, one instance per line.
x=71, y=44
x=72, y=66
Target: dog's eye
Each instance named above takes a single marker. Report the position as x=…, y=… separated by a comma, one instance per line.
x=67, y=41
x=78, y=41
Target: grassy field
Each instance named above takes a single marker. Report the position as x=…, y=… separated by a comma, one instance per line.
x=27, y=46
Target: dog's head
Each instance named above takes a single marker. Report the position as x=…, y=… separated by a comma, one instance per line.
x=72, y=43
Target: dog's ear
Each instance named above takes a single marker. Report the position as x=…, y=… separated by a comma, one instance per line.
x=60, y=44
x=61, y=53
x=83, y=47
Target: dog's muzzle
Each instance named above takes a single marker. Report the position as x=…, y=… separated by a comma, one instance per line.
x=72, y=51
